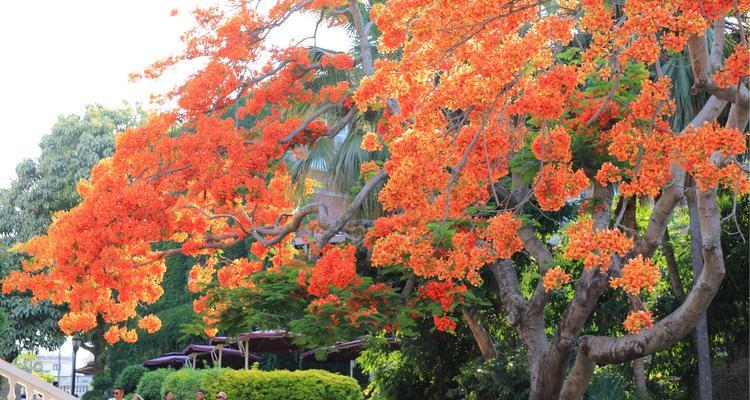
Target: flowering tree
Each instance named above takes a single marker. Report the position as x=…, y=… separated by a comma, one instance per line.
x=484, y=109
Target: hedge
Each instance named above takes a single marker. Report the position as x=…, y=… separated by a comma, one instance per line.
x=262, y=385
x=149, y=387
x=183, y=383
x=284, y=385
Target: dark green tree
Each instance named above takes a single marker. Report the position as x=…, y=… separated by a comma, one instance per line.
x=41, y=188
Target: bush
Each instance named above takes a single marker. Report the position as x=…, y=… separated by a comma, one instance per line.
x=262, y=385
x=286, y=385
x=129, y=377
x=149, y=387
x=183, y=383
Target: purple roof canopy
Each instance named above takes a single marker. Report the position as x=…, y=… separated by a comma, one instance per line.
x=345, y=351
x=169, y=360
x=232, y=358
x=272, y=341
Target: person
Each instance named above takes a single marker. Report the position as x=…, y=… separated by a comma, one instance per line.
x=169, y=395
x=221, y=396
x=136, y=397
x=117, y=393
x=200, y=394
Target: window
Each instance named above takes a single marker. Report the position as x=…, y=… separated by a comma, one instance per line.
x=55, y=367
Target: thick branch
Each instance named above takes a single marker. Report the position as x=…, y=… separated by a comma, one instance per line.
x=312, y=117
x=348, y=213
x=530, y=327
x=578, y=379
x=738, y=117
x=590, y=286
x=482, y=337
x=543, y=257
x=672, y=268
x=674, y=192
x=510, y=294
x=702, y=73
x=717, y=48
x=337, y=126
x=280, y=232
x=675, y=326
x=365, y=47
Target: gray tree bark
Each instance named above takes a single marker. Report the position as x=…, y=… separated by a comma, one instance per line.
x=701, y=325
x=482, y=337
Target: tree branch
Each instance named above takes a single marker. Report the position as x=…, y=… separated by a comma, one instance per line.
x=717, y=48
x=312, y=117
x=675, y=326
x=701, y=66
x=673, y=193
x=482, y=337
x=348, y=213
x=590, y=286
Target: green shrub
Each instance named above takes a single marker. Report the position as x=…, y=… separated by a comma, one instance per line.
x=183, y=383
x=283, y=385
x=149, y=387
x=261, y=385
x=129, y=377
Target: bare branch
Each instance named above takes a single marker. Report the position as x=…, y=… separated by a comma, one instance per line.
x=348, y=213
x=312, y=117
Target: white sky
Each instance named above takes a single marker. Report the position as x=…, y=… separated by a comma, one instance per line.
x=56, y=56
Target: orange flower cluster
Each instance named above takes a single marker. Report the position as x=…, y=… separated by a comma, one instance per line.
x=336, y=267
x=555, y=184
x=446, y=293
x=736, y=67
x=501, y=232
x=608, y=173
x=553, y=146
x=117, y=333
x=646, y=148
x=698, y=144
x=638, y=274
x=370, y=142
x=595, y=248
x=444, y=323
x=639, y=320
x=339, y=61
x=171, y=176
x=555, y=278
x=150, y=323
x=77, y=322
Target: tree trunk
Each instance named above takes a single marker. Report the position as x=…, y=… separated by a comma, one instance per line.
x=630, y=222
x=482, y=337
x=639, y=375
x=701, y=326
x=672, y=268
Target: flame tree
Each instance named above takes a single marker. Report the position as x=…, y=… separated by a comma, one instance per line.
x=483, y=109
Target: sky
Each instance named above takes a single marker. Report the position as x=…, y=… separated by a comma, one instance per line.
x=56, y=56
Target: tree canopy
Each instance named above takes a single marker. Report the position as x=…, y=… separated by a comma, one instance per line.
x=41, y=188
x=487, y=116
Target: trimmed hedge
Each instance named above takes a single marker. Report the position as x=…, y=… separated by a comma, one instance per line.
x=262, y=385
x=284, y=385
x=149, y=387
x=183, y=383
